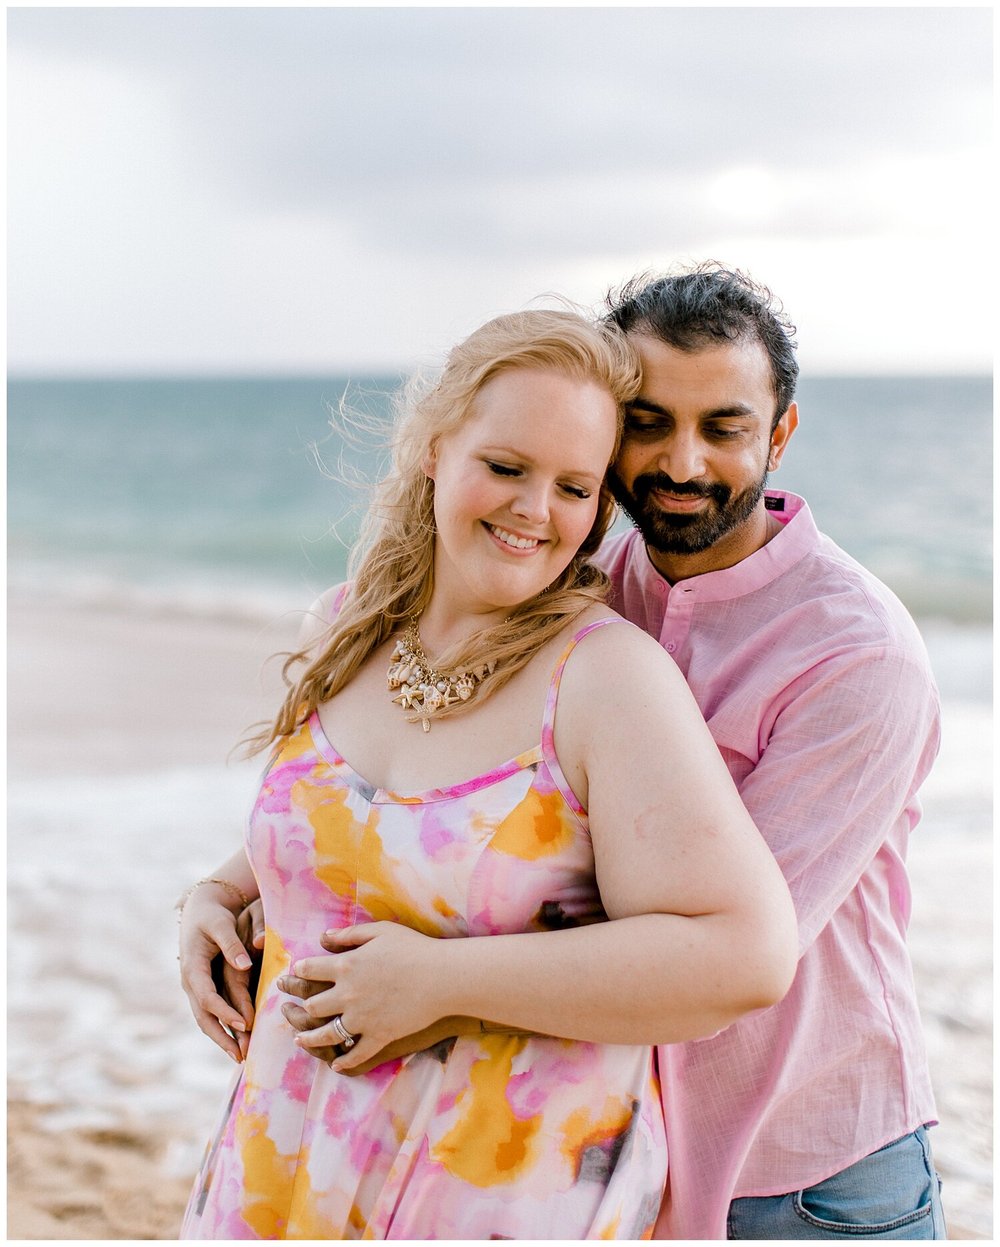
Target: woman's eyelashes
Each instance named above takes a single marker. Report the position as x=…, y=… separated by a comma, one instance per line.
x=506, y=469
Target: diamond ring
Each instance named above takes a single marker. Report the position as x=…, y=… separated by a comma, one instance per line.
x=346, y=1038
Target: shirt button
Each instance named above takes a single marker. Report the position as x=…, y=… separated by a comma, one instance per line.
x=670, y=647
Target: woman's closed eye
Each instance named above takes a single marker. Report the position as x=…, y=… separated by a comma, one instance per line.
x=575, y=491
x=568, y=487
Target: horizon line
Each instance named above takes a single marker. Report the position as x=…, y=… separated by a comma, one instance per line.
x=388, y=370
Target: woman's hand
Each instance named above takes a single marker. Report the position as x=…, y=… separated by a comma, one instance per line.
x=384, y=988
x=299, y=1020
x=208, y=927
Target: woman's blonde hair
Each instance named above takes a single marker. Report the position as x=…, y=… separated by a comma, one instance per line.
x=391, y=569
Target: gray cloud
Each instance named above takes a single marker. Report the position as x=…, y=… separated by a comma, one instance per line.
x=296, y=105
x=176, y=169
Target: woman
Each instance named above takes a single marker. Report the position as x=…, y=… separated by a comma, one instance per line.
x=468, y=870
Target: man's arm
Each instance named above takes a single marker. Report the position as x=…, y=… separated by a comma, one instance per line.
x=849, y=745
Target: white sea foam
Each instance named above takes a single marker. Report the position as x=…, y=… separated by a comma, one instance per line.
x=98, y=1024
x=213, y=595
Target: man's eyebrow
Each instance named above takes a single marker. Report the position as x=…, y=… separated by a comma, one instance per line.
x=736, y=411
x=644, y=404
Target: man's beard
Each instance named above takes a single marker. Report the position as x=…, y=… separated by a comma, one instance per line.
x=684, y=534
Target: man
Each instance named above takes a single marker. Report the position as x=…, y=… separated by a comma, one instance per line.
x=807, y=1119
x=808, y=1116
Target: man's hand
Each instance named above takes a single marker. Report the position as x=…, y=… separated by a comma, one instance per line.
x=301, y=1021
x=250, y=926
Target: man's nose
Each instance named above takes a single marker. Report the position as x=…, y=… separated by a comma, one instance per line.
x=682, y=457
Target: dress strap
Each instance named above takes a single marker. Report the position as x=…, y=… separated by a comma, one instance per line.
x=548, y=722
x=338, y=600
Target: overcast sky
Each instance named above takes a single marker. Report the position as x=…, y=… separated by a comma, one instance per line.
x=268, y=189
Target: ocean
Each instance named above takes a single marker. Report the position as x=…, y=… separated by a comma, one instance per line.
x=228, y=496
x=210, y=489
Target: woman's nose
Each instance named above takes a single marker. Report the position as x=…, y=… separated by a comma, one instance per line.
x=532, y=503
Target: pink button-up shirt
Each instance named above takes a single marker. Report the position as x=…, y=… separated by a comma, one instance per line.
x=817, y=688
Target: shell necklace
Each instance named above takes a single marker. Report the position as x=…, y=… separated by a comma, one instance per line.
x=422, y=689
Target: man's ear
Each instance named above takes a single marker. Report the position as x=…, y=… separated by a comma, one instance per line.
x=781, y=436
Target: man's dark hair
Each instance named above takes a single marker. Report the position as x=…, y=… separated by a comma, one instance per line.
x=706, y=305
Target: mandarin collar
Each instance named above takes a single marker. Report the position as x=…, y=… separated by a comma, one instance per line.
x=798, y=537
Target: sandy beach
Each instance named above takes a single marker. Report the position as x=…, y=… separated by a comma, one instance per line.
x=121, y=721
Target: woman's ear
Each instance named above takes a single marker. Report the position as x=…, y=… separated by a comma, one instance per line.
x=429, y=462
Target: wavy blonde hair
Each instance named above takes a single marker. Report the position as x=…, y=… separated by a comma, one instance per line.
x=391, y=569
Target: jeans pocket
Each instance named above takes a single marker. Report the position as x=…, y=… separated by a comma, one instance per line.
x=887, y=1194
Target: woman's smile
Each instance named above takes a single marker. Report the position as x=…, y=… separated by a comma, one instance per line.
x=515, y=543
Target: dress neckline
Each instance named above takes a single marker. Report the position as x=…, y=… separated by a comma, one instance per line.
x=374, y=792
x=540, y=754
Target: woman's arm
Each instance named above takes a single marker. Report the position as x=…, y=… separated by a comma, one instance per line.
x=702, y=926
x=208, y=927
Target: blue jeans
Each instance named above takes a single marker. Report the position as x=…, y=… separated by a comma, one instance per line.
x=893, y=1193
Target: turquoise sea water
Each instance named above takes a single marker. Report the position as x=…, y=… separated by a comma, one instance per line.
x=208, y=489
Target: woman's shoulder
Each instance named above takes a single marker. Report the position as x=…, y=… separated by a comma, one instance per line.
x=618, y=688
x=617, y=662
x=322, y=613
x=601, y=632
x=328, y=604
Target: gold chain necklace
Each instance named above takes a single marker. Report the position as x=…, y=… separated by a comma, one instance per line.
x=422, y=689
